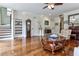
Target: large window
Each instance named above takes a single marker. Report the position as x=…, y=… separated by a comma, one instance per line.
x=5, y=16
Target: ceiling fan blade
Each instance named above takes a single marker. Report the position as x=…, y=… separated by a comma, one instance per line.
x=45, y=7
x=58, y=4
x=45, y=3
x=52, y=8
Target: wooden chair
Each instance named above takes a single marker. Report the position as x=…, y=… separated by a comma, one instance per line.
x=66, y=33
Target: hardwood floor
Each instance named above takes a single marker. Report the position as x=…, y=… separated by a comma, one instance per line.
x=31, y=47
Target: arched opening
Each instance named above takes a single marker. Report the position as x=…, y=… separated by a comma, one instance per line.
x=28, y=28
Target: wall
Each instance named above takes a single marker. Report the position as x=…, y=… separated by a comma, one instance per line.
x=56, y=28
x=0, y=15
x=57, y=19
x=36, y=20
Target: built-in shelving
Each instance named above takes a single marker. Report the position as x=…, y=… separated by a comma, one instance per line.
x=18, y=27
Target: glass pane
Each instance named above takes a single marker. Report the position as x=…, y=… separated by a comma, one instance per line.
x=5, y=17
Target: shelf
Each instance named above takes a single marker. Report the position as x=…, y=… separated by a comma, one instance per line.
x=18, y=30
x=18, y=33
x=18, y=26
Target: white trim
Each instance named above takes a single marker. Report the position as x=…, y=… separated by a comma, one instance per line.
x=7, y=39
x=12, y=25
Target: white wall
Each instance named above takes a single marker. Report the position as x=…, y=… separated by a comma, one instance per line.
x=35, y=20
x=39, y=18
x=56, y=28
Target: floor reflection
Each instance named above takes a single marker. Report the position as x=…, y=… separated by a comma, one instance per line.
x=26, y=45
x=32, y=47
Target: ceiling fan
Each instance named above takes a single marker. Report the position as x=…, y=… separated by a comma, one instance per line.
x=51, y=5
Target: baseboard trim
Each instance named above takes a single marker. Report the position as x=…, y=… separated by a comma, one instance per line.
x=7, y=39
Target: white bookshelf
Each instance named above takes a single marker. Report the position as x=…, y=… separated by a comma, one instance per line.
x=18, y=27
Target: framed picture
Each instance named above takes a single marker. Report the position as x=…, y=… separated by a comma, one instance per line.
x=46, y=22
x=73, y=18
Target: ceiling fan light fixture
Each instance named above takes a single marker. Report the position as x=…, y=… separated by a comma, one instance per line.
x=52, y=6
x=49, y=6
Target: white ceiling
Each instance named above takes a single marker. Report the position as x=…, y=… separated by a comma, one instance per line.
x=37, y=8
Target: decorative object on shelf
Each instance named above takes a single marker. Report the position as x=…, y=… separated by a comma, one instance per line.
x=18, y=23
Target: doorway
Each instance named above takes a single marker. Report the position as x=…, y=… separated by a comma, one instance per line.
x=61, y=22
x=28, y=28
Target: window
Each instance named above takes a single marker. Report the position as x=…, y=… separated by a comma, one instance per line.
x=9, y=11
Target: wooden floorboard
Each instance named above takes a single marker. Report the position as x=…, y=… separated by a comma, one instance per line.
x=31, y=47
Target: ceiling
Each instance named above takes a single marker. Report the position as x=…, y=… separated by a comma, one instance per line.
x=36, y=8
